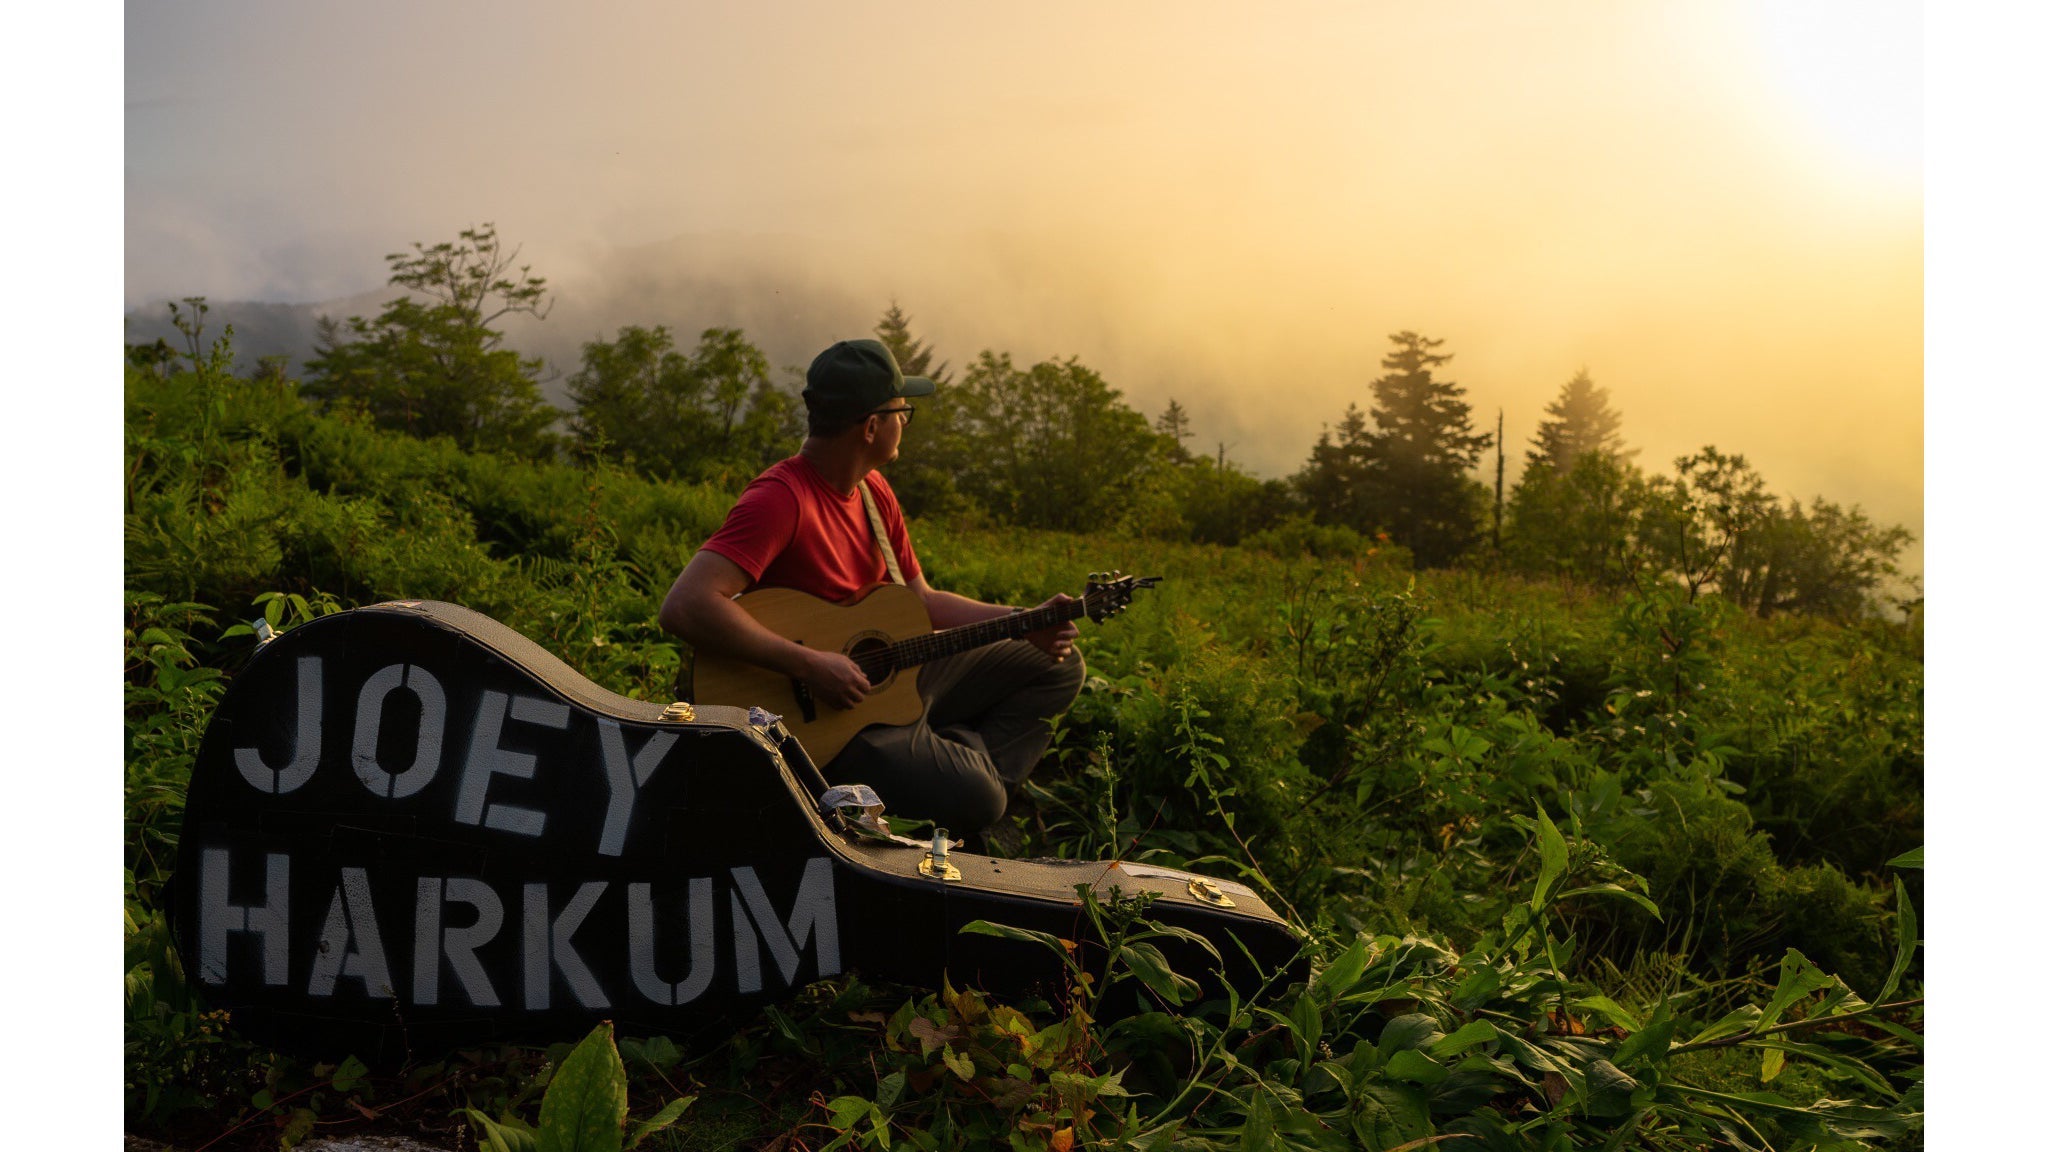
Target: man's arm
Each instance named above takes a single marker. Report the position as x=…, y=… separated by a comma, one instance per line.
x=699, y=608
x=950, y=610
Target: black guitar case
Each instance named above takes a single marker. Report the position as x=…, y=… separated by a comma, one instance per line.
x=410, y=829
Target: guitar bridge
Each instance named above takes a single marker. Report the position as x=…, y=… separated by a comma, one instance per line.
x=805, y=703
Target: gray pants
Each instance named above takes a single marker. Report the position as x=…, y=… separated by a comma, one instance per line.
x=987, y=720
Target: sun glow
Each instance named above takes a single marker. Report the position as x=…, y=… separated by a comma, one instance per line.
x=1852, y=71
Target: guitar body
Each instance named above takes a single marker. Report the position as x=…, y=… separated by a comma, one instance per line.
x=882, y=615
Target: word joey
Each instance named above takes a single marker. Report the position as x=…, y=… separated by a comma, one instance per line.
x=486, y=755
x=391, y=820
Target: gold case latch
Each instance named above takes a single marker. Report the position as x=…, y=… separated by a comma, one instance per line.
x=935, y=864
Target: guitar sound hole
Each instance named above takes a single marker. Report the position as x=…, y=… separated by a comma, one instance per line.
x=870, y=650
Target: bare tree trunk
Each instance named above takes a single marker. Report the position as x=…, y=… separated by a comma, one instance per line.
x=1500, y=472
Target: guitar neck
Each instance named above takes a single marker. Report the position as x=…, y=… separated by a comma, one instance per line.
x=967, y=637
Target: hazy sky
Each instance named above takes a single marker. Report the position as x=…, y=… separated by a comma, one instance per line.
x=1715, y=208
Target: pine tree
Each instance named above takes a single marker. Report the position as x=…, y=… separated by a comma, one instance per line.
x=1173, y=423
x=1418, y=464
x=914, y=356
x=1580, y=422
x=927, y=481
x=1332, y=484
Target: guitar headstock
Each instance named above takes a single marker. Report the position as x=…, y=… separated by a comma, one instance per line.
x=1110, y=593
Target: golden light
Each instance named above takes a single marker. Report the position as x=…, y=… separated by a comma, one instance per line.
x=1851, y=72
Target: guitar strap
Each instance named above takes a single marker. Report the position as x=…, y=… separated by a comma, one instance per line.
x=881, y=534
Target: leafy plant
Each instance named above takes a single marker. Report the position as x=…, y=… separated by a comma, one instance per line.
x=1392, y=1042
x=583, y=1109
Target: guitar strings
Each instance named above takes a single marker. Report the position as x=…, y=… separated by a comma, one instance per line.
x=924, y=649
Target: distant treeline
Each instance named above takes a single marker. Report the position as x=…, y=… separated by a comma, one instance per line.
x=1055, y=446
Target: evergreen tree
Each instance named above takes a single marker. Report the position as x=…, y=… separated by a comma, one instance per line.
x=914, y=356
x=1580, y=422
x=927, y=480
x=1174, y=425
x=1333, y=482
x=431, y=363
x=1418, y=462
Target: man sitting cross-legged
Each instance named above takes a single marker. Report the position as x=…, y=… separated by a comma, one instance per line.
x=804, y=524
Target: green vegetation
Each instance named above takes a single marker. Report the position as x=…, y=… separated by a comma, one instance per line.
x=1593, y=851
x=709, y=415
x=430, y=363
x=1411, y=474
x=583, y=1109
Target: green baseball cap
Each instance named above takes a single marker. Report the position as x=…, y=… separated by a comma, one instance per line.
x=858, y=376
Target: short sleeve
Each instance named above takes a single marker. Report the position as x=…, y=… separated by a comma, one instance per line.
x=761, y=524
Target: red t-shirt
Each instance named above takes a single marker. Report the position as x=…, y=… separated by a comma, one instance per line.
x=791, y=529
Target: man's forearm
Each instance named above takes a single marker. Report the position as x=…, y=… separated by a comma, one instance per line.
x=950, y=609
x=718, y=624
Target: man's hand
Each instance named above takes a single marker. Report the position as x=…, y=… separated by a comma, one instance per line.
x=1056, y=642
x=835, y=679
x=948, y=610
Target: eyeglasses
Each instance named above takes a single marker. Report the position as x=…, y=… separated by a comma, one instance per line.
x=907, y=411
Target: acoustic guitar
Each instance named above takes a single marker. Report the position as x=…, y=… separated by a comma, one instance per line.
x=888, y=633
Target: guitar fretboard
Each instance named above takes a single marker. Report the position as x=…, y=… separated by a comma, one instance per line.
x=967, y=637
